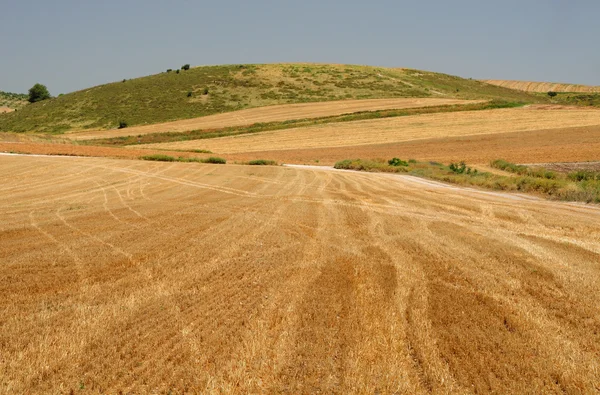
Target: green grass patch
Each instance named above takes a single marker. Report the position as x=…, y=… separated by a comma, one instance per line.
x=214, y=159
x=574, y=98
x=582, y=186
x=262, y=162
x=13, y=100
x=168, y=158
x=536, y=172
x=159, y=158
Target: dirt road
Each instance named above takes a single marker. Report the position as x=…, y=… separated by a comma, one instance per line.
x=154, y=277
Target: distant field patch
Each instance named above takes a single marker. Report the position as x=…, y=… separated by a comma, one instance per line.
x=390, y=130
x=530, y=86
x=276, y=113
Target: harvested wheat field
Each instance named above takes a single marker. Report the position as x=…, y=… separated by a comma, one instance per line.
x=175, y=277
x=577, y=144
x=390, y=130
x=271, y=114
x=543, y=87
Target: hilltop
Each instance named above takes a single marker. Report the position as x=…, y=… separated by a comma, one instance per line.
x=202, y=91
x=11, y=101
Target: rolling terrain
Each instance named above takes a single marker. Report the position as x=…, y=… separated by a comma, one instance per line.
x=131, y=276
x=392, y=130
x=543, y=87
x=209, y=90
x=157, y=277
x=278, y=113
x=11, y=101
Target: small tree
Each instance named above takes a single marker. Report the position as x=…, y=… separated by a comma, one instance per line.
x=185, y=67
x=122, y=124
x=38, y=92
x=552, y=94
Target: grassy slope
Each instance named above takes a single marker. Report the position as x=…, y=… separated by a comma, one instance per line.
x=164, y=97
x=13, y=100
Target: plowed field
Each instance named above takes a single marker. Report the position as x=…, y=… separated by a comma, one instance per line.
x=390, y=130
x=173, y=277
x=271, y=114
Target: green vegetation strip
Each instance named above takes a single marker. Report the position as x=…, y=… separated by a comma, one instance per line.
x=168, y=137
x=168, y=158
x=262, y=162
x=572, y=98
x=580, y=186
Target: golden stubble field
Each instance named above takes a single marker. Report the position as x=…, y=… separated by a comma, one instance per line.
x=146, y=277
x=276, y=113
x=543, y=87
x=393, y=130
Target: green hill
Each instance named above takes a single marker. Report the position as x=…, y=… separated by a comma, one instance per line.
x=13, y=100
x=202, y=91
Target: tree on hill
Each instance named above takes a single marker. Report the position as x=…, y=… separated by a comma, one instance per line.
x=38, y=92
x=552, y=94
x=185, y=67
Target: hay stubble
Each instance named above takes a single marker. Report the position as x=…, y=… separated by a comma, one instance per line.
x=138, y=277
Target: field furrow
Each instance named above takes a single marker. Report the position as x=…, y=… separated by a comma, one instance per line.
x=140, y=277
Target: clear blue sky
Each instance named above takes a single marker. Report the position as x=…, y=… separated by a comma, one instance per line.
x=73, y=44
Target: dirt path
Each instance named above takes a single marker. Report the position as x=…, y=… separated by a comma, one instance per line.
x=147, y=277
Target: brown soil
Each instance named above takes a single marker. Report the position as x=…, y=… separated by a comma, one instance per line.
x=6, y=109
x=139, y=277
x=87, y=150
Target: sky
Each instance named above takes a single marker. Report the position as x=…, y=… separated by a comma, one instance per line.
x=70, y=45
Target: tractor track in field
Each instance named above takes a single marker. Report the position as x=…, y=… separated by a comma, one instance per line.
x=142, y=277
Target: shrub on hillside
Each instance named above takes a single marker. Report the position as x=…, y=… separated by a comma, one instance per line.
x=189, y=94
x=185, y=67
x=38, y=92
x=122, y=124
x=584, y=175
x=458, y=168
